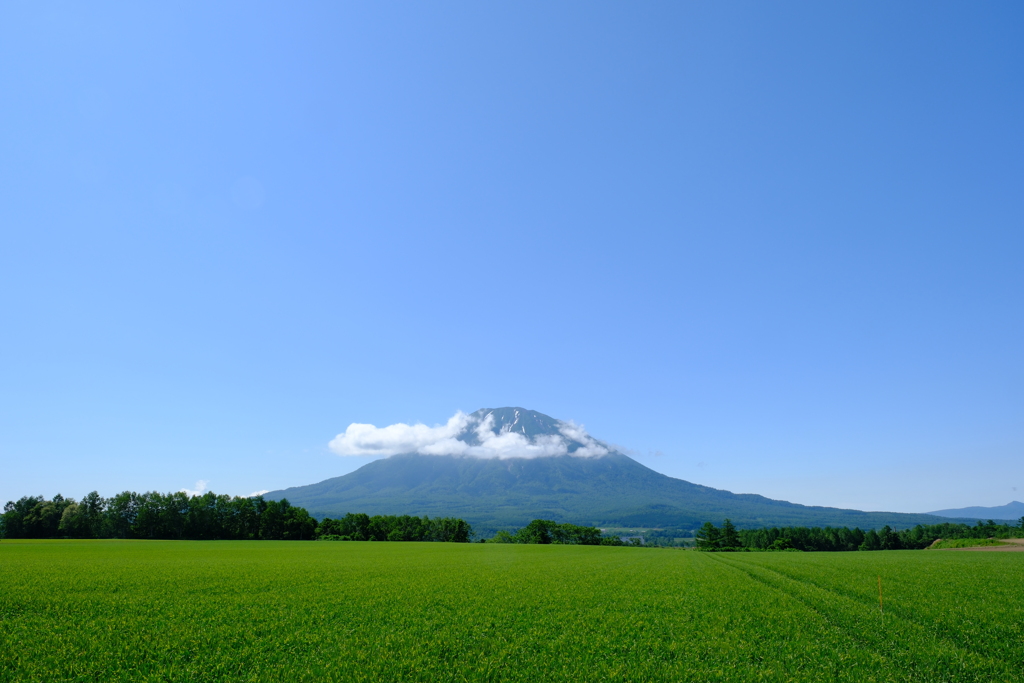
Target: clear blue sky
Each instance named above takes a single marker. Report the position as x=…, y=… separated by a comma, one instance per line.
x=768, y=247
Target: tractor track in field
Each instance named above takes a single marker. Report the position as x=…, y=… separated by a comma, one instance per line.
x=926, y=625
x=828, y=618
x=860, y=638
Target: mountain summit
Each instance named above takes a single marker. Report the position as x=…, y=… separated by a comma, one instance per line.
x=529, y=423
x=530, y=430
x=502, y=467
x=488, y=433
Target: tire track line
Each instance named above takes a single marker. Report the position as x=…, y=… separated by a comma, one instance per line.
x=939, y=643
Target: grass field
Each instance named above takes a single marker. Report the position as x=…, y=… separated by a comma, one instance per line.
x=293, y=611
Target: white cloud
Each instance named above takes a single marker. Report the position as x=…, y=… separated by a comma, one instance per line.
x=199, y=490
x=591, y=447
x=364, y=439
x=257, y=493
x=450, y=439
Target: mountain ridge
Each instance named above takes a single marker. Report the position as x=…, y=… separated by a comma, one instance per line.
x=1013, y=510
x=602, y=488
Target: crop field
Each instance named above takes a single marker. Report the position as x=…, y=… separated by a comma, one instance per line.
x=320, y=611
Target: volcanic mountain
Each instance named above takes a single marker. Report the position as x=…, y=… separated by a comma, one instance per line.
x=507, y=466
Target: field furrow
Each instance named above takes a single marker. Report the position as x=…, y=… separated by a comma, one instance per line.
x=939, y=596
x=899, y=640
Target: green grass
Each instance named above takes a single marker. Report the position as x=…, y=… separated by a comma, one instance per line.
x=965, y=543
x=292, y=611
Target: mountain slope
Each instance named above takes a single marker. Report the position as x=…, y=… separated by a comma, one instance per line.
x=612, y=490
x=602, y=490
x=1014, y=511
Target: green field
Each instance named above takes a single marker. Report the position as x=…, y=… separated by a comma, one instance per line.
x=289, y=611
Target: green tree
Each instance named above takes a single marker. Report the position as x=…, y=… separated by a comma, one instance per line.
x=122, y=511
x=93, y=508
x=42, y=520
x=537, y=531
x=450, y=530
x=73, y=522
x=889, y=539
x=248, y=512
x=328, y=527
x=356, y=526
x=155, y=515
x=540, y=531
x=503, y=537
x=871, y=541
x=299, y=525
x=272, y=519
x=707, y=537
x=571, y=534
x=379, y=528
x=729, y=538
x=14, y=516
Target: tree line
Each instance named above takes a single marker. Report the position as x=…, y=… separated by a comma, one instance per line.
x=178, y=516
x=544, y=531
x=833, y=539
x=362, y=527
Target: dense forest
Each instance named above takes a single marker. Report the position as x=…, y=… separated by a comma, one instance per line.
x=207, y=517
x=832, y=539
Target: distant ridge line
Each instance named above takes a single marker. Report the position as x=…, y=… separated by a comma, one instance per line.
x=1012, y=511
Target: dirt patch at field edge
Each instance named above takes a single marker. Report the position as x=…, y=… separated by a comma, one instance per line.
x=1016, y=546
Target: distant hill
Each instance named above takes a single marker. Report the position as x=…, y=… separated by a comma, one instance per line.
x=1011, y=511
x=601, y=490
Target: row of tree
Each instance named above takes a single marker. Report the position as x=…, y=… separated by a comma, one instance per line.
x=361, y=527
x=832, y=539
x=544, y=531
x=157, y=516
x=208, y=517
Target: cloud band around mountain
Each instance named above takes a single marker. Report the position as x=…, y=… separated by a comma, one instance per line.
x=464, y=435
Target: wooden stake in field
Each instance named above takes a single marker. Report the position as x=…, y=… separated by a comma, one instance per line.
x=880, y=610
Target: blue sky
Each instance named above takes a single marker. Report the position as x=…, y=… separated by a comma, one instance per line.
x=773, y=248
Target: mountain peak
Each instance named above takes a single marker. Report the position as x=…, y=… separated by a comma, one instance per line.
x=528, y=433
x=509, y=432
x=519, y=420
